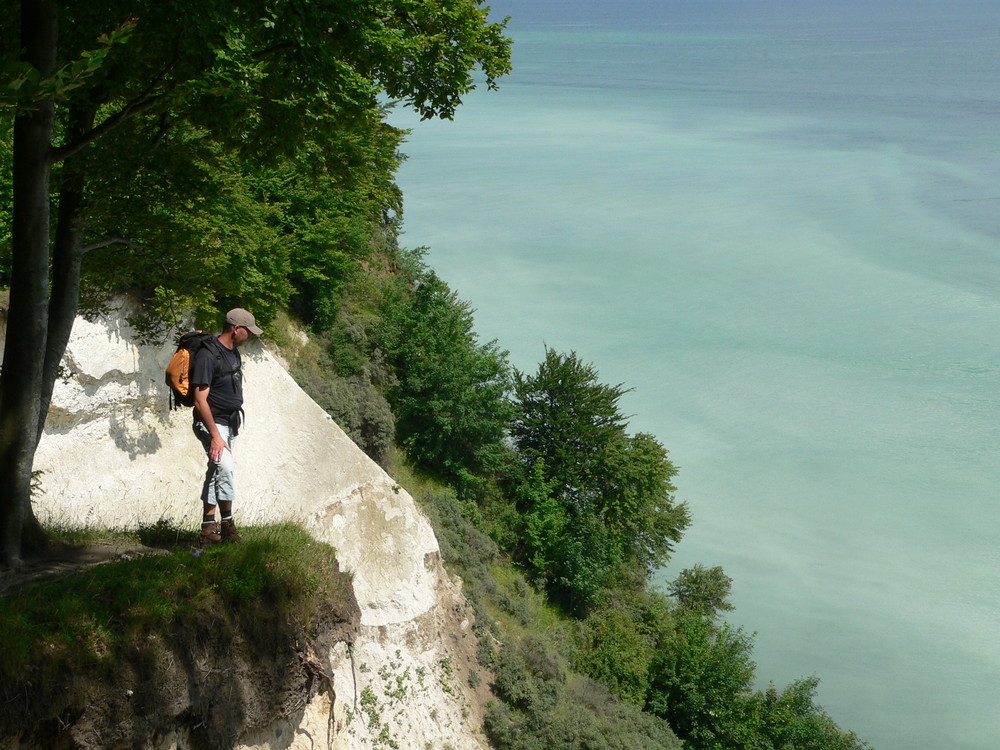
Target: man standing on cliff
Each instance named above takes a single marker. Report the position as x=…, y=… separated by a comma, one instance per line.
x=217, y=379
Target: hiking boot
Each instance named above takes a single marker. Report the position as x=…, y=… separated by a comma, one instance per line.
x=229, y=532
x=210, y=533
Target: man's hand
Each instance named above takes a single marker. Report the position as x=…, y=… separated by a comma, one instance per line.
x=218, y=446
x=205, y=412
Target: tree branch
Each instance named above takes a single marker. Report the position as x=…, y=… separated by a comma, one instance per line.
x=143, y=102
x=133, y=109
x=112, y=241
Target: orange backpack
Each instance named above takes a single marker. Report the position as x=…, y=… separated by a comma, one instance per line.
x=178, y=375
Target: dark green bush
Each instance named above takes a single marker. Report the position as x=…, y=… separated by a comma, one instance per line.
x=700, y=675
x=528, y=676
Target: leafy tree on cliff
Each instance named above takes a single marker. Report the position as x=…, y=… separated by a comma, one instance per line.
x=700, y=681
x=450, y=395
x=792, y=718
x=289, y=232
x=570, y=421
x=702, y=590
x=608, y=504
x=258, y=78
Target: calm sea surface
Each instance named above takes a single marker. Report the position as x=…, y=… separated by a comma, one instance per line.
x=778, y=223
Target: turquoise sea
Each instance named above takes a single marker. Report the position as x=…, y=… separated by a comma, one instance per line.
x=777, y=222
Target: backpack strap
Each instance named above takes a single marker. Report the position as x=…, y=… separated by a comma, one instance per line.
x=213, y=343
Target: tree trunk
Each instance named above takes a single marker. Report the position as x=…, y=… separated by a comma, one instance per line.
x=67, y=260
x=64, y=301
x=27, y=321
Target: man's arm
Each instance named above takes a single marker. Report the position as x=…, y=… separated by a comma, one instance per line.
x=205, y=414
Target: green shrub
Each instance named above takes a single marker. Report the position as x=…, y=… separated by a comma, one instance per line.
x=792, y=718
x=528, y=676
x=700, y=674
x=615, y=652
x=585, y=717
x=465, y=549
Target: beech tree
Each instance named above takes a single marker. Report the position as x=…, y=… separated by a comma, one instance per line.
x=569, y=420
x=599, y=502
x=261, y=77
x=700, y=681
x=450, y=394
x=702, y=590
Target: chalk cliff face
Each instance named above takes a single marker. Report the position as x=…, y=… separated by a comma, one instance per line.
x=114, y=455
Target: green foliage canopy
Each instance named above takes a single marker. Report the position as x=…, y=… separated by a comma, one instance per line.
x=598, y=501
x=700, y=678
x=244, y=67
x=167, y=109
x=791, y=718
x=570, y=421
x=702, y=590
x=450, y=395
x=617, y=653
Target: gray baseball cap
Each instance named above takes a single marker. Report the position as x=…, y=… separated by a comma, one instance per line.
x=240, y=317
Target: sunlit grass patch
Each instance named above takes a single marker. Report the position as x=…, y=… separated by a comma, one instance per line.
x=276, y=575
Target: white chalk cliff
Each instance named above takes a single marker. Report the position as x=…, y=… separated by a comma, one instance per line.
x=114, y=455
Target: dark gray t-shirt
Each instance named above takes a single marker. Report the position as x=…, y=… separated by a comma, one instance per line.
x=221, y=369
